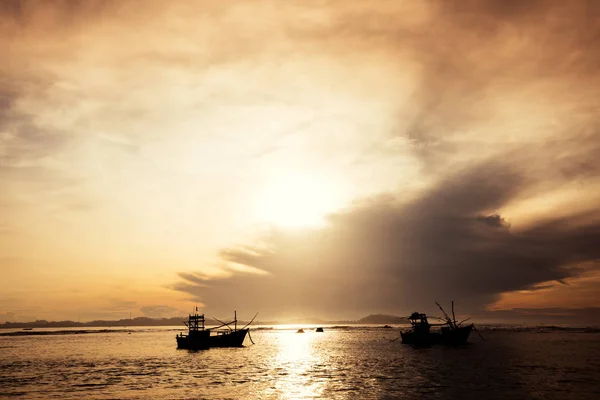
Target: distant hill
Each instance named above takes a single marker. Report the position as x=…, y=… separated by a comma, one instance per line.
x=382, y=319
x=139, y=321
x=178, y=321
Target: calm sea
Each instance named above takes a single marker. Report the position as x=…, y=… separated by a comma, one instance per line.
x=341, y=363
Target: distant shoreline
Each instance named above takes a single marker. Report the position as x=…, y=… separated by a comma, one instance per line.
x=176, y=321
x=374, y=319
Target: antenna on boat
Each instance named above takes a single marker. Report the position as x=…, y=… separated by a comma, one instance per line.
x=235, y=319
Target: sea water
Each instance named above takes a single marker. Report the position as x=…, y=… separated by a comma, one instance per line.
x=340, y=363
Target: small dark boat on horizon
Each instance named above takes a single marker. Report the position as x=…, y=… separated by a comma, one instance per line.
x=201, y=338
x=451, y=332
x=319, y=329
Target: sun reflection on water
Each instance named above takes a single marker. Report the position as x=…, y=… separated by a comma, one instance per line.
x=297, y=359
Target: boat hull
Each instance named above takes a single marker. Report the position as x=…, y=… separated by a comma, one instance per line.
x=229, y=339
x=420, y=338
x=202, y=340
x=456, y=336
x=446, y=336
x=196, y=340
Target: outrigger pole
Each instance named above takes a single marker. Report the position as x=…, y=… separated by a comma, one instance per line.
x=445, y=315
x=222, y=324
x=453, y=316
x=252, y=320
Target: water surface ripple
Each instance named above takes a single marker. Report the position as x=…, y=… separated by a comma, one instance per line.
x=349, y=363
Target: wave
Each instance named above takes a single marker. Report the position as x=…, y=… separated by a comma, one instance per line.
x=482, y=328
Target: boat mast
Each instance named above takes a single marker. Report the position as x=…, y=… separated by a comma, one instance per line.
x=235, y=320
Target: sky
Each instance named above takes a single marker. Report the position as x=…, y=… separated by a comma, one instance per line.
x=327, y=159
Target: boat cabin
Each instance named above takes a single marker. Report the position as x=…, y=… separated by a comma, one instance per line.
x=419, y=322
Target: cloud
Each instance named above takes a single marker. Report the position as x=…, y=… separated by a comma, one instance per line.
x=389, y=255
x=8, y=317
x=497, y=77
x=557, y=315
x=456, y=120
x=501, y=111
x=160, y=311
x=119, y=305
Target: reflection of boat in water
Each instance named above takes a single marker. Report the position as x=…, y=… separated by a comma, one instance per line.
x=451, y=332
x=200, y=338
x=319, y=329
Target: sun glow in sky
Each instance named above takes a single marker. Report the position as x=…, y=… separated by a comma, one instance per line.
x=144, y=149
x=296, y=200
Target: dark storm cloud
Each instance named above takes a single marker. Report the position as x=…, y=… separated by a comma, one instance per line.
x=556, y=315
x=387, y=255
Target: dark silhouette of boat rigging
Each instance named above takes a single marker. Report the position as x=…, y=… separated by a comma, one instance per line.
x=451, y=333
x=201, y=338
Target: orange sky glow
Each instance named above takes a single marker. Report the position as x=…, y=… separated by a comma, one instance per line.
x=300, y=159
